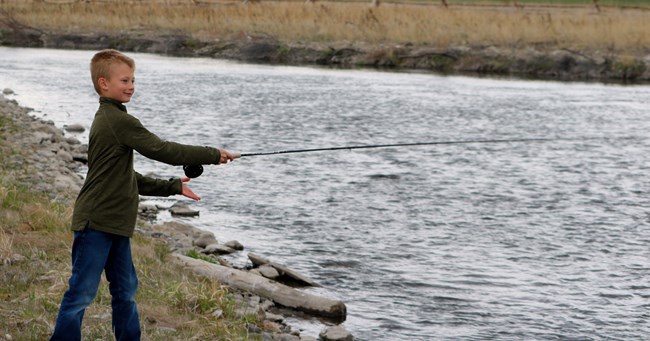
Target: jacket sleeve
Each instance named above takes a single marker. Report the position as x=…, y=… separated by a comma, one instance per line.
x=134, y=135
x=158, y=187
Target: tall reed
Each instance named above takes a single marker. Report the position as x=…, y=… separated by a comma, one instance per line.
x=393, y=23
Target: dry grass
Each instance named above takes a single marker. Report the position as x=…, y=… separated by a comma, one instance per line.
x=567, y=26
x=172, y=304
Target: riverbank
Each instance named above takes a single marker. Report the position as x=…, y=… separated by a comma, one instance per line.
x=547, y=42
x=39, y=166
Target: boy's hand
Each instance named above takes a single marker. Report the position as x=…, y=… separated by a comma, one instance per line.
x=187, y=191
x=227, y=156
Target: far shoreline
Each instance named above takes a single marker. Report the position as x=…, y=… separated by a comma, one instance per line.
x=536, y=55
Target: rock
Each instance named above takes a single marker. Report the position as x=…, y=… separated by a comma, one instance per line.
x=235, y=245
x=74, y=128
x=335, y=333
x=205, y=239
x=83, y=158
x=39, y=137
x=48, y=128
x=7, y=91
x=274, y=317
x=257, y=260
x=171, y=227
x=64, y=183
x=286, y=337
x=65, y=156
x=164, y=329
x=72, y=141
x=253, y=328
x=183, y=210
x=217, y=249
x=268, y=271
x=83, y=149
x=307, y=338
x=148, y=212
x=284, y=271
x=271, y=326
x=217, y=313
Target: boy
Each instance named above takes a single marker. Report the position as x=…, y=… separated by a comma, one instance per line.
x=105, y=211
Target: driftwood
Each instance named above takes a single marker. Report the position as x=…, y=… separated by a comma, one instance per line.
x=279, y=293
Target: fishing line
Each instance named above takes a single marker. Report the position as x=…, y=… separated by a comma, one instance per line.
x=193, y=171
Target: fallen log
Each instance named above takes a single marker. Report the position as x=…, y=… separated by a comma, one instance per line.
x=279, y=293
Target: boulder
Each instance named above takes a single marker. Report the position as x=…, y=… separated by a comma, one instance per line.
x=205, y=239
x=74, y=128
x=72, y=141
x=217, y=249
x=235, y=245
x=183, y=210
x=268, y=271
x=335, y=333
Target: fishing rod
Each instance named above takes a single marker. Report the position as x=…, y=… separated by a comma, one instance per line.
x=194, y=171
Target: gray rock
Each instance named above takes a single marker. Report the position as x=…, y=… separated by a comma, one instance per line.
x=217, y=249
x=8, y=91
x=335, y=333
x=74, y=128
x=282, y=270
x=83, y=149
x=274, y=317
x=253, y=328
x=268, y=271
x=65, y=156
x=183, y=211
x=164, y=329
x=83, y=158
x=205, y=239
x=50, y=129
x=286, y=337
x=257, y=260
x=235, y=245
x=72, y=140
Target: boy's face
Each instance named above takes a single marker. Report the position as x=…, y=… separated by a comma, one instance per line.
x=120, y=85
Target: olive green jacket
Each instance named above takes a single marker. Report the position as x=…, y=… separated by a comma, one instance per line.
x=108, y=200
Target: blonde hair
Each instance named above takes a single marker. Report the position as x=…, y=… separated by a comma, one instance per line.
x=100, y=65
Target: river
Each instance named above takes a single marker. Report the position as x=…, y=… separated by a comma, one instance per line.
x=539, y=240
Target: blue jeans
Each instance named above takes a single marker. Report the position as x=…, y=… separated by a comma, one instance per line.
x=93, y=252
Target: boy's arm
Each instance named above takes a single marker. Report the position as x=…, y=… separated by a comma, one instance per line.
x=158, y=187
x=133, y=134
x=163, y=188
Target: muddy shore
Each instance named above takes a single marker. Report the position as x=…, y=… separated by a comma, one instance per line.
x=537, y=61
